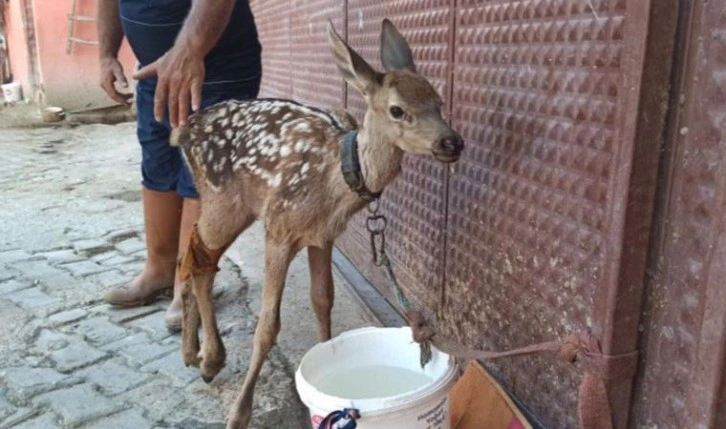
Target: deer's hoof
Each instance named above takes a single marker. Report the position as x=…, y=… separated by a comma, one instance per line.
x=191, y=359
x=210, y=370
x=238, y=421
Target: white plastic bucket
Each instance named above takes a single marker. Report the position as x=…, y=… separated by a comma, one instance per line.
x=12, y=92
x=349, y=357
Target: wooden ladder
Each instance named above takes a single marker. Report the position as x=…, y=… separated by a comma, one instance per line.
x=72, y=19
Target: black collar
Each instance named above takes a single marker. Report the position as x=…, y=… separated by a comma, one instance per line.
x=350, y=166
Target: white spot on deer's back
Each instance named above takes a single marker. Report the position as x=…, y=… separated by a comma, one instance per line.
x=285, y=150
x=301, y=146
x=304, y=169
x=276, y=180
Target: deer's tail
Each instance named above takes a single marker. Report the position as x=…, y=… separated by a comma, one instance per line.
x=179, y=136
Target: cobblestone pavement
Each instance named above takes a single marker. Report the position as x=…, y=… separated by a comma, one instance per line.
x=71, y=226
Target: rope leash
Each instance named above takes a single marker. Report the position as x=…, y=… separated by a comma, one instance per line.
x=582, y=347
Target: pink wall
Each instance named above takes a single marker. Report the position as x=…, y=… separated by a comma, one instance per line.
x=69, y=80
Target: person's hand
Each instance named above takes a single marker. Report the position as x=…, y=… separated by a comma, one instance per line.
x=180, y=75
x=112, y=72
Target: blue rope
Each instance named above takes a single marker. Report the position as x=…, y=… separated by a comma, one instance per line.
x=343, y=419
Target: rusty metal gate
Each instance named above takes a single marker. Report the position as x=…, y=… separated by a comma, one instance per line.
x=591, y=193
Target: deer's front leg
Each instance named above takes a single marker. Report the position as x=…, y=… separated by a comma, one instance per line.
x=322, y=290
x=277, y=261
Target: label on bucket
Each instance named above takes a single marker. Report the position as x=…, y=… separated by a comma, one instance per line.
x=436, y=416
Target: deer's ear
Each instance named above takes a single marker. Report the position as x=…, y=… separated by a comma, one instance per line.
x=395, y=51
x=356, y=71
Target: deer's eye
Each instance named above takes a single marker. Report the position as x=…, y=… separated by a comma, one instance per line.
x=396, y=112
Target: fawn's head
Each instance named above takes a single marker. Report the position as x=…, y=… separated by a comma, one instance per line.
x=402, y=105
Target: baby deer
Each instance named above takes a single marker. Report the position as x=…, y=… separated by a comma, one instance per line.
x=304, y=172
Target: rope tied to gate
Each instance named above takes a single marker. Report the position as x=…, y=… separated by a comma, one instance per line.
x=581, y=348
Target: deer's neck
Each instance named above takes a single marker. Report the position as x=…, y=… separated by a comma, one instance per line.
x=380, y=159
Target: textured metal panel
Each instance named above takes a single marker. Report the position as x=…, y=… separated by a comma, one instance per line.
x=315, y=79
x=415, y=204
x=273, y=24
x=534, y=219
x=682, y=382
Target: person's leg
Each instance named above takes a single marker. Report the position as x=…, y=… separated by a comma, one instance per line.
x=162, y=209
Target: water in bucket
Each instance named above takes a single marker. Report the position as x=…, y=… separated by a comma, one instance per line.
x=373, y=381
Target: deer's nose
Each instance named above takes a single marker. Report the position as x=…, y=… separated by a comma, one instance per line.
x=452, y=145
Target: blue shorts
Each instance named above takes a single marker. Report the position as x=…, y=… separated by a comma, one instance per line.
x=162, y=166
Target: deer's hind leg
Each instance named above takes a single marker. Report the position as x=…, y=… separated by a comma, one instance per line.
x=220, y=223
x=190, y=324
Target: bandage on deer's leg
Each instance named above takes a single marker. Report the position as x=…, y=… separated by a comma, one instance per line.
x=198, y=258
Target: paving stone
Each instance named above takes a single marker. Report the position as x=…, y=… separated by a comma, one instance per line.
x=117, y=260
x=99, y=331
x=9, y=256
x=79, y=404
x=19, y=416
x=113, y=378
x=129, y=419
x=62, y=256
x=60, y=281
x=92, y=246
x=12, y=285
x=131, y=340
x=50, y=341
x=192, y=423
x=112, y=277
x=76, y=355
x=132, y=267
x=104, y=256
x=33, y=299
x=6, y=408
x=138, y=349
x=67, y=317
x=26, y=382
x=160, y=400
x=46, y=421
x=141, y=353
x=131, y=245
x=173, y=366
x=153, y=325
x=39, y=270
x=123, y=315
x=122, y=234
x=85, y=268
